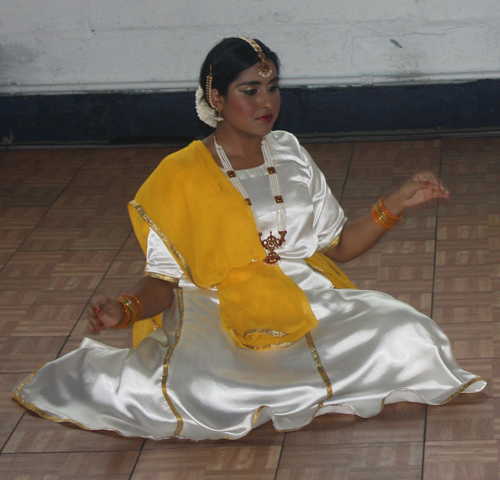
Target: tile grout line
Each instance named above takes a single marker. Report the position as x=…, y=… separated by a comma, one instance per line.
x=11, y=433
x=347, y=173
x=436, y=223
x=137, y=459
x=281, y=455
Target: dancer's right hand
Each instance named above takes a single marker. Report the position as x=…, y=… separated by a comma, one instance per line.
x=104, y=312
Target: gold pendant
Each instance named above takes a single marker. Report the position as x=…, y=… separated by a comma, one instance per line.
x=271, y=243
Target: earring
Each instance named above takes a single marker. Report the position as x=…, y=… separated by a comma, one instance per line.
x=219, y=117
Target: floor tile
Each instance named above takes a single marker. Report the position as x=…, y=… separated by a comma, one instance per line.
x=21, y=217
x=90, y=238
x=463, y=308
x=401, y=422
x=471, y=340
x=340, y=462
x=468, y=460
x=39, y=320
x=214, y=463
x=467, y=417
x=10, y=411
x=68, y=466
x=128, y=262
x=36, y=435
x=25, y=354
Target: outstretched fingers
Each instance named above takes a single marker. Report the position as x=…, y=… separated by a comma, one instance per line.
x=423, y=187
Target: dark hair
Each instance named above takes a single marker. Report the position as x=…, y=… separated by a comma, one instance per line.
x=228, y=59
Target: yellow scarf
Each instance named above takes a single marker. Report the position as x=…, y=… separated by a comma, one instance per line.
x=210, y=230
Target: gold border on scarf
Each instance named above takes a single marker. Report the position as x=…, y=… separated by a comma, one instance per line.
x=166, y=365
x=164, y=238
x=319, y=365
x=269, y=346
x=332, y=244
x=264, y=331
x=160, y=276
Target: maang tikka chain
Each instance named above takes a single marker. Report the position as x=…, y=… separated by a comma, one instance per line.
x=265, y=69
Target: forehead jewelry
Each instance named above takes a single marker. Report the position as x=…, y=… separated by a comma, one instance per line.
x=265, y=69
x=271, y=243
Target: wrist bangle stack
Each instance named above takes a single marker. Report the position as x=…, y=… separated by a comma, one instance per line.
x=133, y=310
x=382, y=216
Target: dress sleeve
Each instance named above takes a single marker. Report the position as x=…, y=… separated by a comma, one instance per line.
x=329, y=218
x=160, y=262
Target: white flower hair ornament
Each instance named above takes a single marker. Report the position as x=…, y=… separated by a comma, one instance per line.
x=205, y=112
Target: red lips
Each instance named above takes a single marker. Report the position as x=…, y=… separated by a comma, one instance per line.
x=266, y=118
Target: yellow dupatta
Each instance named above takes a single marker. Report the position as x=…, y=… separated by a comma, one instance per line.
x=210, y=230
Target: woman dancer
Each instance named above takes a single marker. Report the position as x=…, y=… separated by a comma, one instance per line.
x=242, y=317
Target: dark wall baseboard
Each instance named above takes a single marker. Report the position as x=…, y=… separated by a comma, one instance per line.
x=152, y=118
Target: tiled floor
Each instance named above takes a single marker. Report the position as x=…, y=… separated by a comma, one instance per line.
x=65, y=234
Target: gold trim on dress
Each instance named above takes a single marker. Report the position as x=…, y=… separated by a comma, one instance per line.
x=164, y=238
x=29, y=406
x=180, y=422
x=332, y=244
x=257, y=413
x=160, y=276
x=166, y=365
x=464, y=387
x=286, y=430
x=319, y=365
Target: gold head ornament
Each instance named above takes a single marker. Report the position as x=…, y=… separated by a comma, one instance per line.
x=265, y=69
x=208, y=90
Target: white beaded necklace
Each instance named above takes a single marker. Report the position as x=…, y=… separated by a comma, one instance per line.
x=271, y=243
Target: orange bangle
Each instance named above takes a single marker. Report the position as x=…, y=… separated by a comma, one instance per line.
x=127, y=320
x=382, y=216
x=135, y=306
x=133, y=310
x=389, y=214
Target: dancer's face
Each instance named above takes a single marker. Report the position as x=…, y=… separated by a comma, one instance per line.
x=252, y=102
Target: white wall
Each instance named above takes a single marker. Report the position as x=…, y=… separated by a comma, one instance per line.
x=53, y=46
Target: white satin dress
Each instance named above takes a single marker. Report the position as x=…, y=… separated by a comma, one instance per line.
x=189, y=380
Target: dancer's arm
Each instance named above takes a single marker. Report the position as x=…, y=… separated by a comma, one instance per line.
x=362, y=233
x=155, y=296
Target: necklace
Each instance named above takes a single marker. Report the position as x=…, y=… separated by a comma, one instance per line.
x=271, y=243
